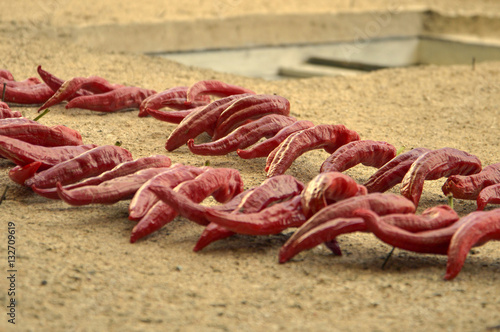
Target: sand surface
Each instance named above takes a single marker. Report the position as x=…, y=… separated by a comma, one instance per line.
x=77, y=271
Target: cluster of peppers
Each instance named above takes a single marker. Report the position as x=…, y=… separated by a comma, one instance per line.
x=55, y=163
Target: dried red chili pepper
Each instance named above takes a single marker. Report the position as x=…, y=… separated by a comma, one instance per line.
x=243, y=136
x=214, y=88
x=199, y=121
x=264, y=148
x=15, y=84
x=436, y=164
x=432, y=218
x=221, y=183
x=39, y=134
x=328, y=137
x=144, y=199
x=55, y=82
x=366, y=152
x=478, y=228
x=337, y=218
x=22, y=153
x=489, y=195
x=112, y=101
x=108, y=192
x=328, y=188
x=174, y=98
x=432, y=241
x=88, y=164
x=20, y=174
x=272, y=190
x=123, y=169
x=171, y=116
x=4, y=73
x=6, y=112
x=68, y=89
x=469, y=186
x=28, y=95
x=249, y=107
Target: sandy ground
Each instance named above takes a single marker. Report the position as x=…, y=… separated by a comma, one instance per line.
x=78, y=272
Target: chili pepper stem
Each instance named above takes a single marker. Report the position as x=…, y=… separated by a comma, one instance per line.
x=450, y=200
x=4, y=194
x=387, y=258
x=400, y=150
x=42, y=114
x=3, y=91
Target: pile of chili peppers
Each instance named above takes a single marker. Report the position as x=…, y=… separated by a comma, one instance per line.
x=54, y=163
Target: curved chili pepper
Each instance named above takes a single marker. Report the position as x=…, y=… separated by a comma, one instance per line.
x=20, y=174
x=7, y=113
x=469, y=186
x=28, y=95
x=271, y=220
x=250, y=107
x=68, y=89
x=221, y=183
x=15, y=84
x=126, y=168
x=87, y=164
x=243, y=136
x=4, y=73
x=433, y=241
x=264, y=148
x=337, y=218
x=393, y=171
x=435, y=164
x=328, y=137
x=108, y=192
x=22, y=153
x=55, y=82
x=144, y=198
x=366, y=152
x=199, y=121
x=39, y=134
x=328, y=188
x=479, y=228
x=214, y=88
x=272, y=190
x=489, y=195
x=112, y=101
x=432, y=218
x=174, y=98
x=171, y=116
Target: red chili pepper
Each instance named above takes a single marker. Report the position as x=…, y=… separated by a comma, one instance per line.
x=337, y=218
x=174, y=98
x=433, y=241
x=221, y=183
x=28, y=95
x=328, y=188
x=39, y=134
x=17, y=84
x=249, y=107
x=55, y=82
x=366, y=152
x=120, y=170
x=489, y=195
x=469, y=186
x=7, y=113
x=68, y=89
x=4, y=73
x=171, y=116
x=214, y=88
x=15, y=121
x=264, y=148
x=393, y=171
x=20, y=174
x=478, y=228
x=22, y=153
x=112, y=101
x=199, y=121
x=88, y=164
x=243, y=136
x=328, y=137
x=433, y=218
x=436, y=164
x=144, y=199
x=108, y=192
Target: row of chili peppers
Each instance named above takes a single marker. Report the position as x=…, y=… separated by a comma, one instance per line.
x=224, y=115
